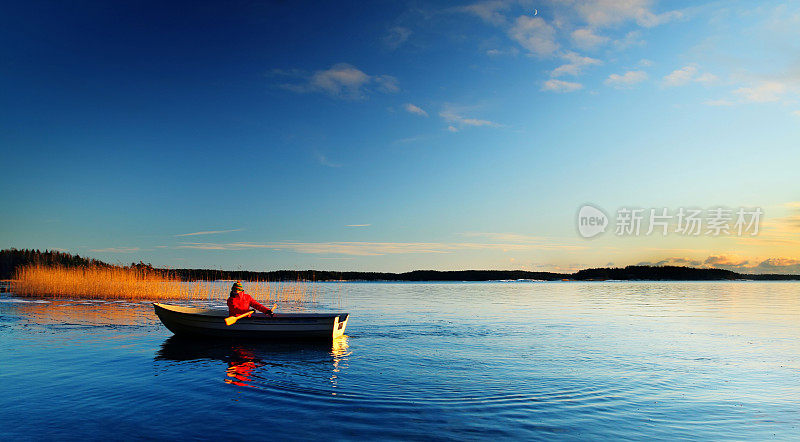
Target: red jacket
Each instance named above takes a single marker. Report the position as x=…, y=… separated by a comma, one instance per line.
x=242, y=303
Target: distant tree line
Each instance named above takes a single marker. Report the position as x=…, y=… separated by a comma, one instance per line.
x=658, y=273
x=10, y=259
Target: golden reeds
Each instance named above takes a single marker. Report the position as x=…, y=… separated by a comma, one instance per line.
x=143, y=284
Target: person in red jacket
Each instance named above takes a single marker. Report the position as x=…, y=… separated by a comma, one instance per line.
x=240, y=302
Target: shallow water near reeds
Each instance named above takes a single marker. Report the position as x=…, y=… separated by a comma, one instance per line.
x=474, y=361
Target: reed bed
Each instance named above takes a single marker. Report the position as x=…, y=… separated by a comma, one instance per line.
x=132, y=283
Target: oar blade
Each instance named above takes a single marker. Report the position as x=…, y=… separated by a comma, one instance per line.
x=231, y=319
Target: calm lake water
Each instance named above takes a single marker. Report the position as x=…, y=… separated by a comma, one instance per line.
x=472, y=361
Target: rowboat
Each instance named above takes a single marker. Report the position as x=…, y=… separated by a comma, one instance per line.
x=189, y=321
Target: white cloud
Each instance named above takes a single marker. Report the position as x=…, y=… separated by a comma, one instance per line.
x=606, y=13
x=341, y=80
x=688, y=74
x=680, y=76
x=414, y=109
x=626, y=80
x=560, y=86
x=489, y=11
x=454, y=116
x=577, y=20
x=534, y=34
x=765, y=92
x=586, y=38
x=575, y=64
x=358, y=225
x=796, y=113
x=645, y=62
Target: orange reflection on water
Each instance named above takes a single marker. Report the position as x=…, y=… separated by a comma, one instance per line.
x=86, y=312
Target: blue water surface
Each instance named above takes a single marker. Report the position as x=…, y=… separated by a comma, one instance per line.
x=471, y=361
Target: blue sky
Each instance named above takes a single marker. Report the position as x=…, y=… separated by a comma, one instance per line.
x=394, y=136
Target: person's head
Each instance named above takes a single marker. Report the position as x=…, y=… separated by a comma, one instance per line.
x=237, y=287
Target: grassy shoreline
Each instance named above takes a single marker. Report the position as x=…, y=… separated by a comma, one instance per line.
x=95, y=282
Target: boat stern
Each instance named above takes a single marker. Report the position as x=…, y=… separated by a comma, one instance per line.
x=339, y=324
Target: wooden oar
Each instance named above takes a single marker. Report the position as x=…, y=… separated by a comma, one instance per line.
x=230, y=320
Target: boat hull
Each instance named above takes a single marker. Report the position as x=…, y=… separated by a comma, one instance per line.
x=187, y=321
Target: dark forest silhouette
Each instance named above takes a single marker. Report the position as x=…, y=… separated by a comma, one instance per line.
x=10, y=259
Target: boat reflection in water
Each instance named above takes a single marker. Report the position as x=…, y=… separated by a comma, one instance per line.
x=262, y=365
x=242, y=363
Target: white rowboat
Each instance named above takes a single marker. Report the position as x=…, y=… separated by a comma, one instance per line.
x=188, y=321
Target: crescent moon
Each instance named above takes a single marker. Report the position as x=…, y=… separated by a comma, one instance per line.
x=535, y=12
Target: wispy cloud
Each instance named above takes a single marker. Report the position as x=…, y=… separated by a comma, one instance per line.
x=210, y=232
x=413, y=109
x=341, y=80
x=358, y=225
x=781, y=265
x=538, y=242
x=413, y=139
x=454, y=116
x=768, y=91
x=561, y=86
x=626, y=80
x=721, y=102
x=372, y=248
x=498, y=52
x=322, y=159
x=117, y=250
x=764, y=92
x=491, y=11
x=631, y=39
x=726, y=261
x=396, y=36
x=672, y=261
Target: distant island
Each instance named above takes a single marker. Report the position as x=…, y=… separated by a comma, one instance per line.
x=11, y=259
